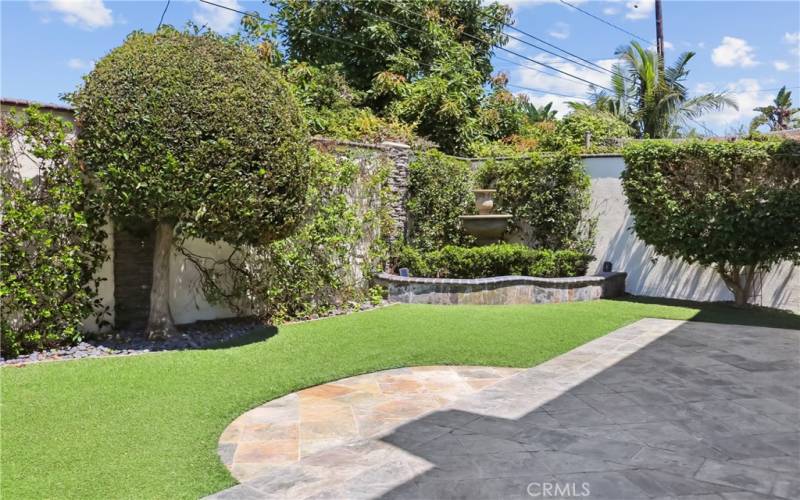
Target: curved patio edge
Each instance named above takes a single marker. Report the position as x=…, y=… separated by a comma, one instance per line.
x=288, y=429
x=500, y=290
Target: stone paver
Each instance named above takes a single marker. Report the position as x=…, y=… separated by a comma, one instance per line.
x=658, y=409
x=293, y=427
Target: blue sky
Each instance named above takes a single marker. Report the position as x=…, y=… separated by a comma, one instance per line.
x=745, y=47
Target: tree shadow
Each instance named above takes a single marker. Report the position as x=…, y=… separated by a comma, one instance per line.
x=682, y=415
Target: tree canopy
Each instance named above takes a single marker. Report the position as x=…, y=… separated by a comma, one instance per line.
x=196, y=135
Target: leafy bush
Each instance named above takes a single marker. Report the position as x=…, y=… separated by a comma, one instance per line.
x=331, y=107
x=197, y=136
x=501, y=259
x=731, y=205
x=571, y=132
x=52, y=237
x=548, y=196
x=314, y=270
x=439, y=191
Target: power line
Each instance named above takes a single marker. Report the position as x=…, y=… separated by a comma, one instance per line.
x=489, y=44
x=606, y=22
x=543, y=91
x=161, y=21
x=338, y=40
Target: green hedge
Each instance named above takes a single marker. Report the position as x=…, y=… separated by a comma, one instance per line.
x=501, y=259
x=548, y=196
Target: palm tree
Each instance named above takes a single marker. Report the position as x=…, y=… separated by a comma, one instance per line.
x=779, y=115
x=652, y=99
x=541, y=114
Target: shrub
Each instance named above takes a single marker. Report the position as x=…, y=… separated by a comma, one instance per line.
x=52, y=237
x=572, y=129
x=501, y=259
x=196, y=136
x=547, y=195
x=734, y=206
x=314, y=270
x=440, y=190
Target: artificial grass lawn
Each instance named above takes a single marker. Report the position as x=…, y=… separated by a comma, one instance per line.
x=147, y=426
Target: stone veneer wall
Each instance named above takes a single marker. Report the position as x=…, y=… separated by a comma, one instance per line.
x=502, y=289
x=400, y=155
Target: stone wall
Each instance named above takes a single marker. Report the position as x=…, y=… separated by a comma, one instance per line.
x=502, y=289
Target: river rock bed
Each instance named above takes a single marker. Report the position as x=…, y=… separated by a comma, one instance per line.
x=199, y=335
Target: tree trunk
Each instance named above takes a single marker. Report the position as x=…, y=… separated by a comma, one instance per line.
x=732, y=276
x=160, y=324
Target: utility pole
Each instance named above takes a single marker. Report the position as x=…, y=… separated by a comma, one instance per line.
x=659, y=31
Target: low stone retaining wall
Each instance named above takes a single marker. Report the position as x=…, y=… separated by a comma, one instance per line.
x=502, y=289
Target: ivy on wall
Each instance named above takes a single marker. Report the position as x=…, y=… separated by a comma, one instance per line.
x=327, y=263
x=547, y=195
x=52, y=237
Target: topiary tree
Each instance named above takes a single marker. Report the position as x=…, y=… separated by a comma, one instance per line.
x=51, y=236
x=734, y=206
x=197, y=136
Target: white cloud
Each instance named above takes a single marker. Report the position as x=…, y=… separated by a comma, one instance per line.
x=780, y=65
x=218, y=19
x=566, y=86
x=640, y=9
x=748, y=95
x=734, y=52
x=610, y=11
x=560, y=31
x=87, y=14
x=80, y=64
x=793, y=39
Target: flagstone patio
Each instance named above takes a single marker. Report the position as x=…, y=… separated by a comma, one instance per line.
x=658, y=409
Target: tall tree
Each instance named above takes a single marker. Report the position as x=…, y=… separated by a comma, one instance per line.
x=196, y=137
x=399, y=52
x=780, y=115
x=655, y=103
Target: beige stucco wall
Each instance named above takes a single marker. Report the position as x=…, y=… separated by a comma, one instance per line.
x=186, y=299
x=651, y=275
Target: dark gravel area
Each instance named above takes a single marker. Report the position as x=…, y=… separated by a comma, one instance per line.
x=199, y=335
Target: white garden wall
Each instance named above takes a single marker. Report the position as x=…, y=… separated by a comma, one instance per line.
x=655, y=276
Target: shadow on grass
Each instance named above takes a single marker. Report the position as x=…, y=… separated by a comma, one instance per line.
x=726, y=312
x=258, y=334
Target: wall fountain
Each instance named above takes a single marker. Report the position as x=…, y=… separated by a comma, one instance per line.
x=487, y=226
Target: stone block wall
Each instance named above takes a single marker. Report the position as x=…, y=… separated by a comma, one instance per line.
x=502, y=289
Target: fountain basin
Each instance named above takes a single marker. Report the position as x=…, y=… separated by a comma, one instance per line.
x=487, y=228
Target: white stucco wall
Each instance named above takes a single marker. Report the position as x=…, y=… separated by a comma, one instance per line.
x=186, y=299
x=651, y=275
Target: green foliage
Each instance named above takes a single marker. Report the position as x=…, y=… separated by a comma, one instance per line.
x=652, y=99
x=52, y=237
x=501, y=259
x=571, y=132
x=312, y=271
x=780, y=115
x=502, y=114
x=547, y=195
x=332, y=108
x=197, y=131
x=733, y=205
x=426, y=67
x=439, y=191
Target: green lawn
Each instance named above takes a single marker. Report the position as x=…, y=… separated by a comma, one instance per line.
x=147, y=426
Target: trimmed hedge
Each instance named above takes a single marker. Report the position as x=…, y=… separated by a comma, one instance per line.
x=501, y=259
